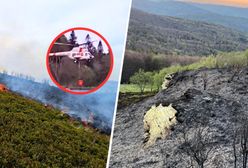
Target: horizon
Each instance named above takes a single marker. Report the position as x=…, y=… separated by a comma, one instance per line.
x=229, y=3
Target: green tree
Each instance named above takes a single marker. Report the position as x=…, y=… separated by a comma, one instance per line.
x=73, y=38
x=158, y=80
x=150, y=80
x=141, y=79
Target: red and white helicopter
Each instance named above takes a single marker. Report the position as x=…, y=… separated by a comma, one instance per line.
x=78, y=52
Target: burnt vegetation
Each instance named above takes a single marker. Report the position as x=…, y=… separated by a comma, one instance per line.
x=49, y=95
x=211, y=129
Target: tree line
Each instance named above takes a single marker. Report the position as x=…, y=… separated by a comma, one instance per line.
x=151, y=62
x=155, y=79
x=144, y=79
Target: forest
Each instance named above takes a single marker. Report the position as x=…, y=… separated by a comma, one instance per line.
x=155, y=42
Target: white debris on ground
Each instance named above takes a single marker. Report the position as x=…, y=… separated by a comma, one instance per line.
x=157, y=123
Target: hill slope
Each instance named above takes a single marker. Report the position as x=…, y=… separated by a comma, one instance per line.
x=163, y=34
x=232, y=17
x=77, y=106
x=33, y=135
x=220, y=109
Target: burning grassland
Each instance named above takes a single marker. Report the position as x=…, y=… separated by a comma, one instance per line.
x=3, y=88
x=76, y=106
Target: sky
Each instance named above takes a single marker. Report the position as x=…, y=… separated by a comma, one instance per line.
x=238, y=3
x=28, y=27
x=81, y=34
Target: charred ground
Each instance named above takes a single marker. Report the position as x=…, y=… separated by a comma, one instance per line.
x=211, y=105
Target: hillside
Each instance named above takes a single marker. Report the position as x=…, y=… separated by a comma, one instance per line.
x=233, y=17
x=35, y=135
x=209, y=131
x=169, y=35
x=98, y=104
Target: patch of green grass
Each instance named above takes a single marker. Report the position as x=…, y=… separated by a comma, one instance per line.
x=33, y=135
x=125, y=88
x=128, y=98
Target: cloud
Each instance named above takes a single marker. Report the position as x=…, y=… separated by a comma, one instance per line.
x=17, y=56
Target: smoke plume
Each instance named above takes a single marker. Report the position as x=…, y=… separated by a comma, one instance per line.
x=101, y=104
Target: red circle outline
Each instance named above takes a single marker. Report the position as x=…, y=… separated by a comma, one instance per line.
x=110, y=54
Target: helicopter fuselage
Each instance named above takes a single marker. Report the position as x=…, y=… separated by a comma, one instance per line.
x=77, y=53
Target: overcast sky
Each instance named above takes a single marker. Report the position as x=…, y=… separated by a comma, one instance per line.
x=81, y=35
x=28, y=27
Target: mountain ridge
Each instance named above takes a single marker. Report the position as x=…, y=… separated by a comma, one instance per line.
x=200, y=12
x=166, y=34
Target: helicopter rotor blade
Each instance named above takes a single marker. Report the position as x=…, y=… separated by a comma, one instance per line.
x=63, y=44
x=86, y=43
x=82, y=44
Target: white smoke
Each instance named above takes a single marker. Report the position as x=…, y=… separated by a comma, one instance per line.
x=100, y=103
x=22, y=56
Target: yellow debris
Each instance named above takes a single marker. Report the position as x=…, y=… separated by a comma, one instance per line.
x=167, y=80
x=157, y=123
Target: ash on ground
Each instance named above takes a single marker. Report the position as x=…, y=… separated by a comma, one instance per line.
x=212, y=109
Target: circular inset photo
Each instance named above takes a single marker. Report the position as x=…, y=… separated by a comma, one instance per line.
x=79, y=60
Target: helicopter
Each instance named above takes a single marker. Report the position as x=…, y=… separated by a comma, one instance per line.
x=78, y=52
x=83, y=55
